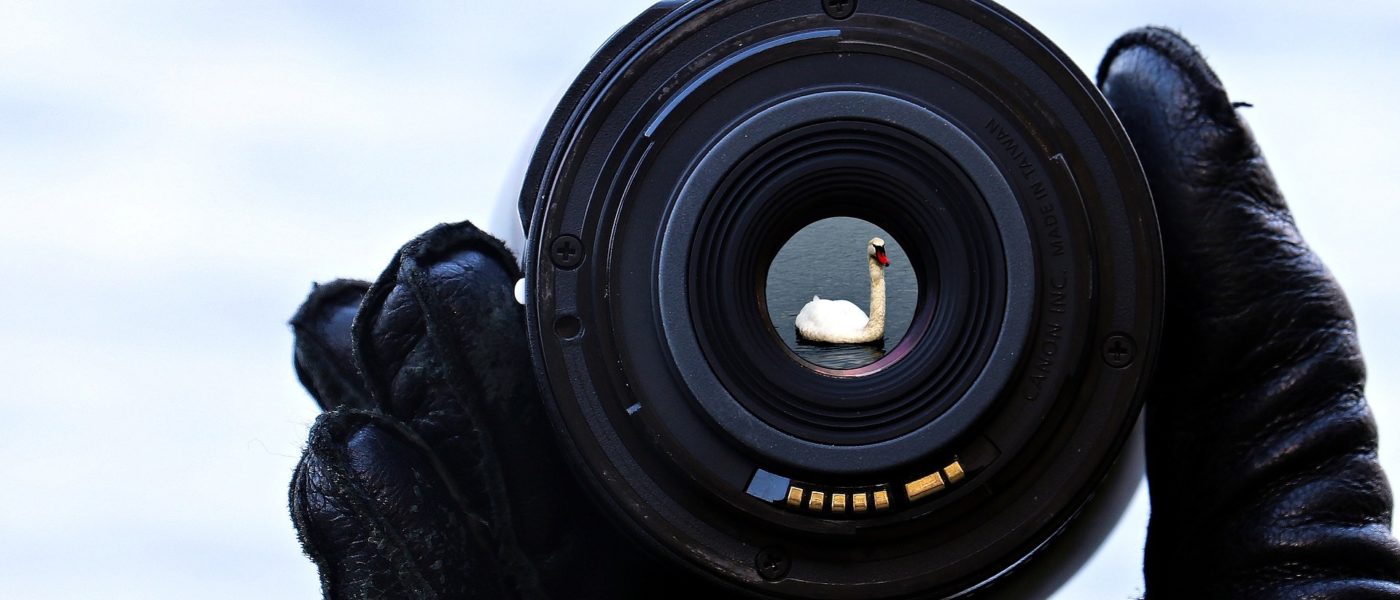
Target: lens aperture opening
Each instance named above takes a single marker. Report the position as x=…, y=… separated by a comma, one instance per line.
x=840, y=293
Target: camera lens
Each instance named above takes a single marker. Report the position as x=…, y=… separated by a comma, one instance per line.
x=850, y=303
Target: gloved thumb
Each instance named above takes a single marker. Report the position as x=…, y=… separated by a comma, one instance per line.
x=1261, y=449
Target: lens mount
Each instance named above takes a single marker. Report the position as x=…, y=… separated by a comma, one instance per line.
x=892, y=163
x=704, y=136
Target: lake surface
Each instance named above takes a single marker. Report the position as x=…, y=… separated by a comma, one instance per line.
x=828, y=259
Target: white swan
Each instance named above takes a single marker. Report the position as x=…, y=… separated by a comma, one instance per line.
x=840, y=321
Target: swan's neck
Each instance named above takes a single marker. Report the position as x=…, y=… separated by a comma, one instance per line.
x=875, y=327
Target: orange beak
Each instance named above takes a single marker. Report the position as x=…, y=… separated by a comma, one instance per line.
x=881, y=258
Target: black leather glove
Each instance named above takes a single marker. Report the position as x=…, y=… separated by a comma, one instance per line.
x=1261, y=450
x=434, y=473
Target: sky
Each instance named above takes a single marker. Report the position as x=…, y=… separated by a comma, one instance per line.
x=174, y=174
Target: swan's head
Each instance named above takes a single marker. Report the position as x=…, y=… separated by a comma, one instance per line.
x=876, y=250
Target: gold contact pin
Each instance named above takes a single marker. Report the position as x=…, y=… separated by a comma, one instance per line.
x=818, y=501
x=838, y=503
x=882, y=500
x=794, y=498
x=955, y=472
x=860, y=502
x=924, y=486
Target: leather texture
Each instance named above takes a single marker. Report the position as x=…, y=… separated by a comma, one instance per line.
x=1261, y=450
x=434, y=473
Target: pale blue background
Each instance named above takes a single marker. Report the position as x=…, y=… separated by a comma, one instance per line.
x=175, y=173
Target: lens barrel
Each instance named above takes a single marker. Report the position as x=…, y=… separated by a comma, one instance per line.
x=699, y=140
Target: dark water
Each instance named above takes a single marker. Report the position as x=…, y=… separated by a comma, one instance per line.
x=828, y=259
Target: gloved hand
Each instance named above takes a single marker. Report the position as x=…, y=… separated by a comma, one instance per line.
x=1261, y=450
x=433, y=473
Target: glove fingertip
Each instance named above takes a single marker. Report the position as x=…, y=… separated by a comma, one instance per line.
x=463, y=282
x=447, y=239
x=1187, y=60
x=1176, y=110
x=454, y=283
x=322, y=349
x=328, y=296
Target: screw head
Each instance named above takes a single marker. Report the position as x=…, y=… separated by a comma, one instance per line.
x=772, y=564
x=839, y=9
x=1119, y=351
x=566, y=252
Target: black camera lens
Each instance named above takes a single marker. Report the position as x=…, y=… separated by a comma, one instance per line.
x=838, y=299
